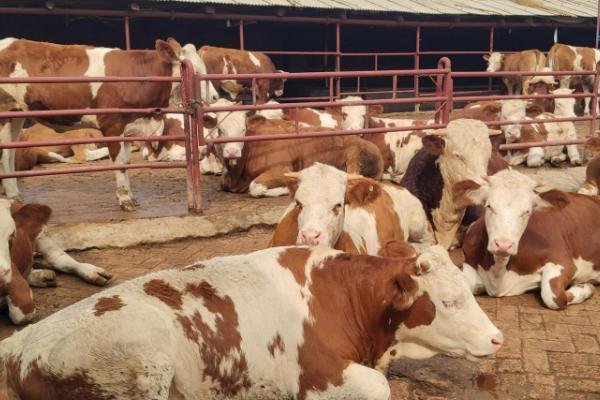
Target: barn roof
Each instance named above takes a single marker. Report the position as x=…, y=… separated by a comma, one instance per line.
x=533, y=8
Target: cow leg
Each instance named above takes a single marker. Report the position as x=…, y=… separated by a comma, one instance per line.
x=59, y=158
x=589, y=188
x=120, y=154
x=586, y=100
x=473, y=279
x=21, y=309
x=96, y=154
x=10, y=133
x=42, y=278
x=574, y=157
x=525, y=85
x=61, y=261
x=535, y=157
x=360, y=383
x=211, y=165
x=270, y=183
x=554, y=283
x=509, y=86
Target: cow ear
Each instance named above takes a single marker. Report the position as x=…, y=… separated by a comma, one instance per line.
x=552, y=198
x=486, y=57
x=397, y=249
x=375, y=109
x=361, y=191
x=32, y=218
x=469, y=193
x=209, y=121
x=434, y=144
x=166, y=52
x=255, y=121
x=291, y=180
x=404, y=291
x=174, y=45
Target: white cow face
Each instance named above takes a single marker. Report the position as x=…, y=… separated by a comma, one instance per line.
x=450, y=320
x=513, y=110
x=564, y=107
x=319, y=195
x=494, y=61
x=509, y=200
x=353, y=117
x=7, y=230
x=231, y=125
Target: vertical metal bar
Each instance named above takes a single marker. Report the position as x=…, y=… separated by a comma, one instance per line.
x=439, y=88
x=597, y=25
x=594, y=112
x=331, y=88
x=394, y=85
x=296, y=123
x=338, y=52
x=254, y=91
x=127, y=34
x=491, y=51
x=358, y=85
x=241, y=34
x=376, y=62
x=188, y=95
x=417, y=64
x=448, y=90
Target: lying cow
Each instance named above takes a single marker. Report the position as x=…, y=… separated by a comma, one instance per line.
x=27, y=158
x=354, y=214
x=286, y=322
x=221, y=60
x=25, y=58
x=527, y=60
x=562, y=57
x=513, y=110
x=263, y=163
x=463, y=153
x=306, y=117
x=22, y=228
x=511, y=250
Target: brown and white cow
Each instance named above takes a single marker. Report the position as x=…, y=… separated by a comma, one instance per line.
x=463, y=153
x=27, y=158
x=285, y=322
x=513, y=110
x=221, y=60
x=527, y=60
x=511, y=250
x=542, y=85
x=562, y=57
x=330, y=118
x=22, y=231
x=263, y=164
x=592, y=171
x=350, y=213
x=25, y=58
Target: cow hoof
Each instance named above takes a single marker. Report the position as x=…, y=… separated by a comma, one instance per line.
x=42, y=278
x=128, y=205
x=96, y=276
x=576, y=163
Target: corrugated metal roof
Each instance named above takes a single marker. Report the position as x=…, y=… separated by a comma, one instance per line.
x=544, y=8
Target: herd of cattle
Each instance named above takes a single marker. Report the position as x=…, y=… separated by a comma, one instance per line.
x=358, y=272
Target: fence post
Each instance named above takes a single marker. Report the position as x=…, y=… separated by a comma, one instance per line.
x=448, y=90
x=594, y=101
x=241, y=34
x=417, y=65
x=338, y=63
x=189, y=95
x=127, y=34
x=491, y=50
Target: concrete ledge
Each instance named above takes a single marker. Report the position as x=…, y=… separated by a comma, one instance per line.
x=129, y=233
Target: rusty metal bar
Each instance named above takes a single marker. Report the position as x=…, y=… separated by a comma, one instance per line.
x=338, y=61
x=395, y=85
x=87, y=111
x=187, y=84
x=594, y=100
x=86, y=79
x=107, y=139
x=448, y=87
x=484, y=74
x=527, y=145
x=127, y=35
x=417, y=65
x=197, y=132
x=95, y=168
x=377, y=62
x=523, y=97
x=491, y=51
x=241, y=34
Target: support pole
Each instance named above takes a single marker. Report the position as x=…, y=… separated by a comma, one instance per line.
x=241, y=34
x=597, y=25
x=338, y=52
x=491, y=51
x=192, y=128
x=417, y=64
x=127, y=35
x=594, y=112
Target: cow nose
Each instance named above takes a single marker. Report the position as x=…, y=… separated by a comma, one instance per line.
x=503, y=245
x=231, y=153
x=310, y=236
x=498, y=340
x=4, y=275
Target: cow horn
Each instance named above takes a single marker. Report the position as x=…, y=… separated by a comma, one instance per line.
x=354, y=176
x=292, y=175
x=438, y=132
x=494, y=132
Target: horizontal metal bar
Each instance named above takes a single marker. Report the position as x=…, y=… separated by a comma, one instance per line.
x=485, y=74
x=85, y=79
x=308, y=135
x=324, y=74
x=523, y=97
x=88, y=111
x=527, y=145
x=538, y=121
x=109, y=139
x=96, y=168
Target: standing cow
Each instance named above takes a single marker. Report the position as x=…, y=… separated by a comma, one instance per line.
x=283, y=323
x=25, y=58
x=527, y=60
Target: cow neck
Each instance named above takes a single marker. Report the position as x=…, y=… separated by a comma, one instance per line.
x=234, y=177
x=354, y=292
x=447, y=217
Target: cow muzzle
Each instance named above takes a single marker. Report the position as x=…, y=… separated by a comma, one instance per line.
x=512, y=134
x=503, y=247
x=232, y=153
x=310, y=237
x=5, y=277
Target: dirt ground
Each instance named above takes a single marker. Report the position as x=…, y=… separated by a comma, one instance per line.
x=548, y=354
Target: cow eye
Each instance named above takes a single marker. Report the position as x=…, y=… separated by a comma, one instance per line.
x=489, y=207
x=298, y=204
x=458, y=156
x=526, y=214
x=450, y=303
x=344, y=115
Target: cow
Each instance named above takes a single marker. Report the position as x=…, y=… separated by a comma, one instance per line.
x=592, y=171
x=221, y=60
x=513, y=110
x=542, y=85
x=285, y=322
x=306, y=117
x=562, y=57
x=27, y=158
x=351, y=213
x=25, y=58
x=511, y=250
x=272, y=113
x=22, y=231
x=262, y=165
x=463, y=153
x=356, y=117
x=527, y=60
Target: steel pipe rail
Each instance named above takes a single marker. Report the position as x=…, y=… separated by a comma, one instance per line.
x=486, y=74
x=89, y=111
x=86, y=79
x=106, y=139
x=527, y=145
x=320, y=75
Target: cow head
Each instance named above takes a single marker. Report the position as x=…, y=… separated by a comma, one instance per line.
x=276, y=85
x=319, y=193
x=230, y=125
x=564, y=107
x=509, y=198
x=513, y=110
x=171, y=51
x=354, y=117
x=494, y=61
x=439, y=314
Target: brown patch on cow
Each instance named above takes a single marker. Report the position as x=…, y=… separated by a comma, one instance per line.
x=188, y=327
x=164, y=292
x=461, y=191
x=31, y=218
x=362, y=191
x=286, y=231
x=346, y=244
x=295, y=260
x=42, y=384
x=422, y=312
x=276, y=344
x=106, y=304
x=202, y=290
x=397, y=249
x=556, y=198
